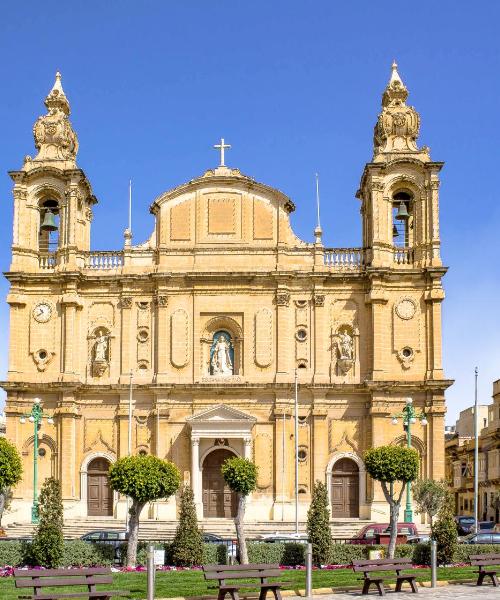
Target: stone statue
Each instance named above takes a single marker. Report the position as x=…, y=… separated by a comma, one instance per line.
x=221, y=360
x=346, y=346
x=101, y=347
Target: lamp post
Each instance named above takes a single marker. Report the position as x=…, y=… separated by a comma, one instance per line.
x=409, y=416
x=35, y=416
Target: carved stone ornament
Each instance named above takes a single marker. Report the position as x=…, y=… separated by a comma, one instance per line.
x=344, y=365
x=406, y=356
x=126, y=302
x=54, y=136
x=319, y=299
x=406, y=309
x=42, y=359
x=162, y=301
x=99, y=367
x=398, y=125
x=282, y=298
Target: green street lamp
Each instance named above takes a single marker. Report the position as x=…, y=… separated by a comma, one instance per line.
x=410, y=417
x=35, y=417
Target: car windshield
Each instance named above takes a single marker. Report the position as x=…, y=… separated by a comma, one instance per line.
x=466, y=520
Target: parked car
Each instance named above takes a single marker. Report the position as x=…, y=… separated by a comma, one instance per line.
x=481, y=538
x=368, y=535
x=114, y=538
x=418, y=539
x=232, y=545
x=464, y=524
x=486, y=526
x=300, y=538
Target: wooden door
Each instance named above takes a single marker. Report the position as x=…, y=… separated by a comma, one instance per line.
x=218, y=500
x=345, y=489
x=99, y=492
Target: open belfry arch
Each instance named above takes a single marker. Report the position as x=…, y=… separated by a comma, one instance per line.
x=212, y=315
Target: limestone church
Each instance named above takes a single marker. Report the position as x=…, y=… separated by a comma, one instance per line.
x=202, y=328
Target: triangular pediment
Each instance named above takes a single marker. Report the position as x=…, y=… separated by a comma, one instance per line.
x=219, y=413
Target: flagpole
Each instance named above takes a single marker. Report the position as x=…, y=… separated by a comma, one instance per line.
x=476, y=454
x=130, y=205
x=296, y=454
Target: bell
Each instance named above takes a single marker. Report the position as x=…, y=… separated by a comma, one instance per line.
x=49, y=222
x=395, y=232
x=402, y=213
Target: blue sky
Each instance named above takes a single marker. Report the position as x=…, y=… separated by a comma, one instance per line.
x=295, y=87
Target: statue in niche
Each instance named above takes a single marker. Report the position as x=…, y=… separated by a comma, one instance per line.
x=221, y=355
x=101, y=353
x=346, y=346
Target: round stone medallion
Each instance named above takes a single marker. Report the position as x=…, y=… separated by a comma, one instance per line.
x=405, y=309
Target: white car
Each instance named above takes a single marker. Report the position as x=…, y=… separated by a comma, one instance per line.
x=300, y=538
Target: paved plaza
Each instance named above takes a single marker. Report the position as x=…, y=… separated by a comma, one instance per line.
x=485, y=592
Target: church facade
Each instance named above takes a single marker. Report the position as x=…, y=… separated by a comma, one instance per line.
x=198, y=334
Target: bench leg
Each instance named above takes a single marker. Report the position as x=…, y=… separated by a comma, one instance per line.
x=366, y=587
x=480, y=578
x=413, y=585
x=380, y=586
x=493, y=577
x=277, y=593
x=233, y=593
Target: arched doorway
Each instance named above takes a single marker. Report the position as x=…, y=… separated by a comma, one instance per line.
x=345, y=489
x=218, y=500
x=99, y=492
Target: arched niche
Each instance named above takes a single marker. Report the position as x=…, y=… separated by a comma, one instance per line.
x=47, y=457
x=231, y=331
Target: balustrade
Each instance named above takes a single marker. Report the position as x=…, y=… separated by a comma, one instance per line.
x=403, y=256
x=344, y=259
x=47, y=260
x=103, y=259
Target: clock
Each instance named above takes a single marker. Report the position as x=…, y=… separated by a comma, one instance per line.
x=42, y=312
x=406, y=308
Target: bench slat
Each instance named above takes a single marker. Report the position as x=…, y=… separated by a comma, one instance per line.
x=494, y=555
x=485, y=562
x=255, y=566
x=269, y=584
x=53, y=596
x=244, y=574
x=47, y=582
x=383, y=561
x=378, y=568
x=59, y=572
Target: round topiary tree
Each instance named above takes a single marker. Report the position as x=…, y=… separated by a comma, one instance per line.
x=11, y=471
x=429, y=496
x=48, y=543
x=143, y=479
x=391, y=464
x=187, y=545
x=240, y=474
x=318, y=525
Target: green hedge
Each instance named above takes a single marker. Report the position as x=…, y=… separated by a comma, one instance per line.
x=82, y=554
x=11, y=553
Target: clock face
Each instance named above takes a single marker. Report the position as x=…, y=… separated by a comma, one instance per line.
x=406, y=309
x=42, y=312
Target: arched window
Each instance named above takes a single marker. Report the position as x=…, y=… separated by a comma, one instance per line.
x=402, y=218
x=48, y=236
x=222, y=354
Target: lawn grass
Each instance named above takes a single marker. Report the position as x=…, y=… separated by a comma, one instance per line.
x=170, y=584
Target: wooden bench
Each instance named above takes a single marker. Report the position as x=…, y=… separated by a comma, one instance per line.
x=367, y=567
x=226, y=575
x=47, y=578
x=482, y=561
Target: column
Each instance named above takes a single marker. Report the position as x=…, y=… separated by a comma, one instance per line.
x=162, y=342
x=195, y=476
x=247, y=448
x=377, y=297
x=320, y=445
x=126, y=341
x=70, y=303
x=65, y=417
x=284, y=337
x=321, y=339
x=433, y=299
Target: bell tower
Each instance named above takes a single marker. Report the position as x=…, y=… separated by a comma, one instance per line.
x=399, y=188
x=53, y=198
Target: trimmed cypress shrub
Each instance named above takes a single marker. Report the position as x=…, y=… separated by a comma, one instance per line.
x=47, y=547
x=318, y=525
x=444, y=531
x=187, y=545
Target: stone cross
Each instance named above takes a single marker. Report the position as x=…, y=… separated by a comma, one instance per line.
x=222, y=146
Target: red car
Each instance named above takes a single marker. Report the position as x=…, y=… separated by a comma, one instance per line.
x=368, y=535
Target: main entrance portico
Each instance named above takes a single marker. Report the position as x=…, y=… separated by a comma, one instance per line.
x=216, y=434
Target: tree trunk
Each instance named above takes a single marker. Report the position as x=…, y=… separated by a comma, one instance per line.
x=240, y=529
x=133, y=532
x=394, y=506
x=3, y=498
